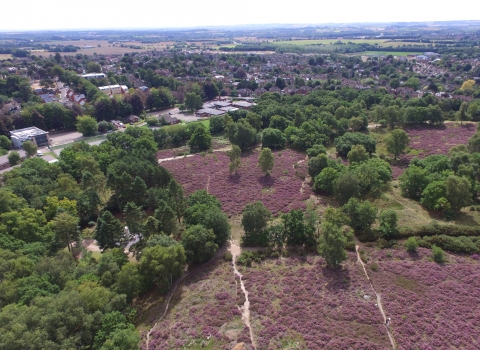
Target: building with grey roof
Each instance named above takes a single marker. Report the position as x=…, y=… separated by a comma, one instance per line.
x=34, y=134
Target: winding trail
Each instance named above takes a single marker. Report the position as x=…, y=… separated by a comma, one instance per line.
x=171, y=293
x=379, y=300
x=245, y=309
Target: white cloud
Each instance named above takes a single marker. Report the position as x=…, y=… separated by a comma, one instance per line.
x=35, y=15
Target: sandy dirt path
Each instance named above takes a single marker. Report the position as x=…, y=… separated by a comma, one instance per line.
x=236, y=250
x=379, y=300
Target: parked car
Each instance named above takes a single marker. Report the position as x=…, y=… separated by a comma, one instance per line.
x=39, y=154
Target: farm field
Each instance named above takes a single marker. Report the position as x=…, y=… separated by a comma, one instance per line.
x=281, y=191
x=401, y=43
x=330, y=41
x=5, y=56
x=386, y=53
x=106, y=48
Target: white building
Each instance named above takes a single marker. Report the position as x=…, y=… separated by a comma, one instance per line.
x=114, y=89
x=93, y=75
x=34, y=134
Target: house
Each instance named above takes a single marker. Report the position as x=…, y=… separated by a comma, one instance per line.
x=259, y=91
x=47, y=98
x=304, y=90
x=76, y=98
x=209, y=112
x=244, y=92
x=169, y=119
x=4, y=164
x=243, y=104
x=34, y=134
x=274, y=89
x=132, y=119
x=11, y=108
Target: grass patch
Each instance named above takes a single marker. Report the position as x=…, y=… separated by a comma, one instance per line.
x=405, y=283
x=393, y=53
x=329, y=42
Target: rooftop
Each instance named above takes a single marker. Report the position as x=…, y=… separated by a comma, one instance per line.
x=26, y=133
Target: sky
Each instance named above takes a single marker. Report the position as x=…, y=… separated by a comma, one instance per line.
x=34, y=15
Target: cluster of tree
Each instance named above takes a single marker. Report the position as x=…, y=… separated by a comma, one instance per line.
x=362, y=177
x=443, y=183
x=43, y=206
x=328, y=236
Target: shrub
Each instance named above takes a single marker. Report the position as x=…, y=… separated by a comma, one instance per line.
x=374, y=266
x=411, y=244
x=437, y=254
x=227, y=256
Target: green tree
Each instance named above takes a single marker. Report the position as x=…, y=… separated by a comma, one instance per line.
x=325, y=181
x=317, y=164
x=93, y=67
x=199, y=244
x=437, y=254
x=217, y=124
x=397, y=141
x=87, y=125
x=193, y=101
x=432, y=194
x=332, y=244
x=203, y=197
x=109, y=231
x=411, y=244
x=128, y=282
x=413, y=83
x=462, y=114
x=255, y=218
x=14, y=158
x=66, y=229
x=357, y=154
x=413, y=181
x=30, y=148
x=235, y=160
x=162, y=265
x=458, y=192
x=273, y=138
x=474, y=143
x=266, y=161
x=388, y=223
x=134, y=217
x=5, y=142
x=346, y=186
x=242, y=134
x=296, y=230
x=200, y=139
x=361, y=215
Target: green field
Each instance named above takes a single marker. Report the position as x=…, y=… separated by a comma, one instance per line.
x=386, y=53
x=329, y=41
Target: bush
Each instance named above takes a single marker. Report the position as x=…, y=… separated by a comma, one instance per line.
x=411, y=244
x=227, y=256
x=152, y=121
x=437, y=254
x=374, y=267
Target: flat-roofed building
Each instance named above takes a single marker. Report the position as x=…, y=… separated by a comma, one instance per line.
x=114, y=89
x=34, y=134
x=93, y=75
